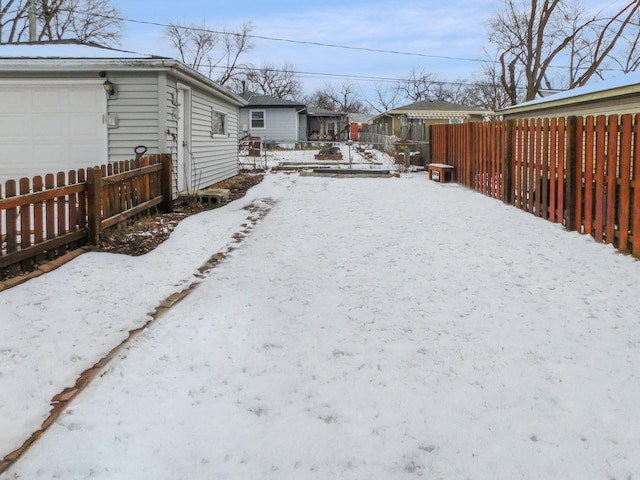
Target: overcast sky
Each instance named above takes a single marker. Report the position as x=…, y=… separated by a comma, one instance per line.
x=437, y=36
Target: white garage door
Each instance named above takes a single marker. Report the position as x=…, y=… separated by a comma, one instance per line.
x=51, y=126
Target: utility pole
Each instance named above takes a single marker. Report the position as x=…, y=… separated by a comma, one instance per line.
x=32, y=20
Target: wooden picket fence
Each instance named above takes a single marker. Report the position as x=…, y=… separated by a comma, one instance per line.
x=45, y=218
x=582, y=172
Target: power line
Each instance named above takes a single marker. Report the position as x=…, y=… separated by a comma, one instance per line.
x=303, y=42
x=277, y=39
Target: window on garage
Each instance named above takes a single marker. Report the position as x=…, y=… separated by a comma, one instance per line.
x=218, y=123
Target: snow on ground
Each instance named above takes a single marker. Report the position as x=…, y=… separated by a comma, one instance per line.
x=366, y=328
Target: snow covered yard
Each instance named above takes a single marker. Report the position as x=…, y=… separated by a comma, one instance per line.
x=365, y=329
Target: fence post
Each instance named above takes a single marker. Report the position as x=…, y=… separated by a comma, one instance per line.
x=572, y=162
x=508, y=164
x=167, y=187
x=94, y=204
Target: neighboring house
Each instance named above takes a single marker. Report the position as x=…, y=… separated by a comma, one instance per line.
x=357, y=121
x=272, y=119
x=57, y=115
x=617, y=95
x=398, y=121
x=323, y=124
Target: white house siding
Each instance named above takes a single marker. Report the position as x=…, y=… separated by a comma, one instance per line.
x=136, y=107
x=281, y=124
x=215, y=157
x=147, y=110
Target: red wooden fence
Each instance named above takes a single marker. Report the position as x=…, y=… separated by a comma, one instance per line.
x=45, y=218
x=582, y=172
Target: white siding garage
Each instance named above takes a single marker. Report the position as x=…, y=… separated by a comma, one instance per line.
x=56, y=116
x=51, y=126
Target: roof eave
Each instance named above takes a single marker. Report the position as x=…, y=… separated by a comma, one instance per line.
x=33, y=65
x=611, y=94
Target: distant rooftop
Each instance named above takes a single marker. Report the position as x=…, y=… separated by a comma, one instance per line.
x=322, y=112
x=439, y=106
x=259, y=100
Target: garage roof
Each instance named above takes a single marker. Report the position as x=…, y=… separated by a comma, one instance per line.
x=73, y=55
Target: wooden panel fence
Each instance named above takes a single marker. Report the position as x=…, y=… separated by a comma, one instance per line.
x=42, y=219
x=582, y=172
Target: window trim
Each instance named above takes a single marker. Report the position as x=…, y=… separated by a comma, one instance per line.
x=264, y=119
x=216, y=114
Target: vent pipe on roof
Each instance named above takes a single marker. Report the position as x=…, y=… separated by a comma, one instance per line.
x=32, y=20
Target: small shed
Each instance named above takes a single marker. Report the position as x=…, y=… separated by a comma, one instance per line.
x=70, y=105
x=272, y=119
x=618, y=95
x=324, y=124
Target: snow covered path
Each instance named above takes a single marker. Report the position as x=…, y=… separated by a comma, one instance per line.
x=369, y=329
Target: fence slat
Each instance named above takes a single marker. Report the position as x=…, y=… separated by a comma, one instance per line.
x=61, y=204
x=601, y=137
x=635, y=213
x=1, y=222
x=25, y=225
x=589, y=141
x=560, y=197
x=553, y=169
x=625, y=183
x=12, y=226
x=611, y=181
x=570, y=154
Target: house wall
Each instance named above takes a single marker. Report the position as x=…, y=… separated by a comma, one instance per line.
x=215, y=156
x=136, y=107
x=147, y=109
x=281, y=124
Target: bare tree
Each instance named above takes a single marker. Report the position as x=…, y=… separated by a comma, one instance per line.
x=194, y=44
x=279, y=82
x=235, y=44
x=344, y=98
x=13, y=21
x=86, y=20
x=487, y=92
x=386, y=97
x=628, y=58
x=321, y=99
x=531, y=35
x=457, y=91
x=419, y=85
x=214, y=54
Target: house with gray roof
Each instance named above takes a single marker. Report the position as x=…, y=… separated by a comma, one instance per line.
x=273, y=120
